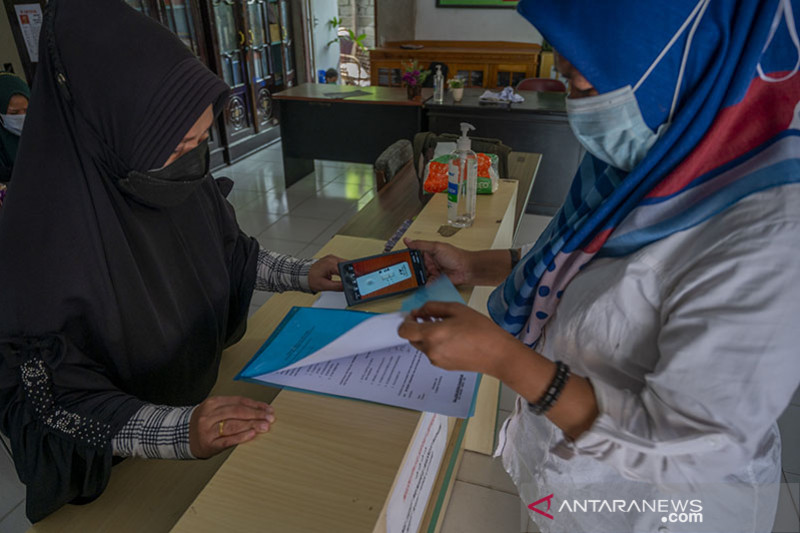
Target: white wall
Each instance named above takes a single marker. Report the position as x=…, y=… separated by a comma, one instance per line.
x=471, y=24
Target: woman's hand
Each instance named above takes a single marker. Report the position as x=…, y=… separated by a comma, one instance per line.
x=456, y=337
x=442, y=258
x=320, y=277
x=224, y=421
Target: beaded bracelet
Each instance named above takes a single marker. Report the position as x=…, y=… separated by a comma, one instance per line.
x=553, y=390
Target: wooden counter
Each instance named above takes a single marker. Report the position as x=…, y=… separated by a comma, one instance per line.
x=329, y=464
x=399, y=200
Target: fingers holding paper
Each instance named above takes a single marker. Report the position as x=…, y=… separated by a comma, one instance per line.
x=224, y=421
x=456, y=337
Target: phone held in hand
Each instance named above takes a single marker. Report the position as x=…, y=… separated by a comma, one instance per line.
x=379, y=276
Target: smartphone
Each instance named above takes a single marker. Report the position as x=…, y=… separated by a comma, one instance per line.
x=379, y=276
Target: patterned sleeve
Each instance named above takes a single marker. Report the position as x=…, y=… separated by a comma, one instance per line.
x=278, y=272
x=155, y=432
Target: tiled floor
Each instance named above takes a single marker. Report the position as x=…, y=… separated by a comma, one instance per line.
x=299, y=220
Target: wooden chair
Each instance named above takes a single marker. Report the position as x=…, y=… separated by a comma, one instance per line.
x=542, y=84
x=351, y=68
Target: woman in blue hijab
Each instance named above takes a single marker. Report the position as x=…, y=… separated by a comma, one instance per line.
x=650, y=331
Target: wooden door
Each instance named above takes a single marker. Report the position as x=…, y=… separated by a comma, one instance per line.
x=230, y=45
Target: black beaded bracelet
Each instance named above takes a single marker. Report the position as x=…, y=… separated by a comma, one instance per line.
x=553, y=390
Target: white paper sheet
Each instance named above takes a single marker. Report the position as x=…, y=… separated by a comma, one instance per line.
x=30, y=22
x=400, y=375
x=331, y=300
x=415, y=481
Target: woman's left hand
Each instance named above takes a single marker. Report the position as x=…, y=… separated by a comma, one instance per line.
x=320, y=277
x=456, y=337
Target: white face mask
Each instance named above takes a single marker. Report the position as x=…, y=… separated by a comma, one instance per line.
x=610, y=125
x=13, y=123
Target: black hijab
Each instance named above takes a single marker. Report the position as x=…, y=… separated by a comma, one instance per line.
x=107, y=302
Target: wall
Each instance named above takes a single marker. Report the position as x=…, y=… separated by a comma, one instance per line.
x=471, y=24
x=395, y=20
x=365, y=18
x=8, y=48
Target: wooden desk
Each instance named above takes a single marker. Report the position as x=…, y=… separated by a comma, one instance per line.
x=399, y=200
x=329, y=464
x=319, y=121
x=539, y=124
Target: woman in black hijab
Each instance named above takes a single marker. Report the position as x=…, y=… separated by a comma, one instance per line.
x=14, y=96
x=122, y=285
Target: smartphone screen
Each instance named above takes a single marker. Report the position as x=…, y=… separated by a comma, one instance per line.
x=382, y=275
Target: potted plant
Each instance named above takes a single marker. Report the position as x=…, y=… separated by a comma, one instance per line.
x=413, y=78
x=457, y=87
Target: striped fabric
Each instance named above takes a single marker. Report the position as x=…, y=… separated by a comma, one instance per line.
x=733, y=135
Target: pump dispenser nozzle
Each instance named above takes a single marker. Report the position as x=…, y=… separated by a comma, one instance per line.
x=464, y=142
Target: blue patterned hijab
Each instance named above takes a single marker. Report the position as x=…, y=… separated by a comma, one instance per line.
x=735, y=130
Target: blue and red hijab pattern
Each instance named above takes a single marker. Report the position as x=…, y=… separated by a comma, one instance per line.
x=734, y=132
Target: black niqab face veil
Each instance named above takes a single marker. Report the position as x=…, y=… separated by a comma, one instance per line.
x=109, y=302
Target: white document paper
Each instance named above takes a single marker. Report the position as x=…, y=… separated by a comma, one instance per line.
x=331, y=300
x=415, y=481
x=385, y=369
x=30, y=22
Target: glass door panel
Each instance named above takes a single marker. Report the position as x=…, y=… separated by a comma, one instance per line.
x=275, y=43
x=139, y=5
x=258, y=31
x=230, y=31
x=230, y=38
x=288, y=51
x=178, y=18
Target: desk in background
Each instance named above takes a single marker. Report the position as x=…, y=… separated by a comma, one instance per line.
x=315, y=125
x=539, y=125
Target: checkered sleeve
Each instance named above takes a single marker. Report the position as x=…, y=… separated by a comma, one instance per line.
x=155, y=432
x=278, y=272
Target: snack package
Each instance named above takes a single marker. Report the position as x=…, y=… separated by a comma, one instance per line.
x=436, y=173
x=488, y=179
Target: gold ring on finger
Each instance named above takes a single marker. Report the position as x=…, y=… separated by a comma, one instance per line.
x=221, y=427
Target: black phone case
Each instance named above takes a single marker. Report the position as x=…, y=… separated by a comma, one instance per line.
x=421, y=275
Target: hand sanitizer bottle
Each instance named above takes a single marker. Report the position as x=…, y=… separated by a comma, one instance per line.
x=438, y=86
x=462, y=183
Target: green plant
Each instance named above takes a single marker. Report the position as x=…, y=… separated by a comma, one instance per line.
x=335, y=23
x=412, y=75
x=455, y=83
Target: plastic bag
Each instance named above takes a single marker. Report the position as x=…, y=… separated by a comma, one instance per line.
x=435, y=177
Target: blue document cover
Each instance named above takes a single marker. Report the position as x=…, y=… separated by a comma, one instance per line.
x=303, y=331
x=353, y=354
